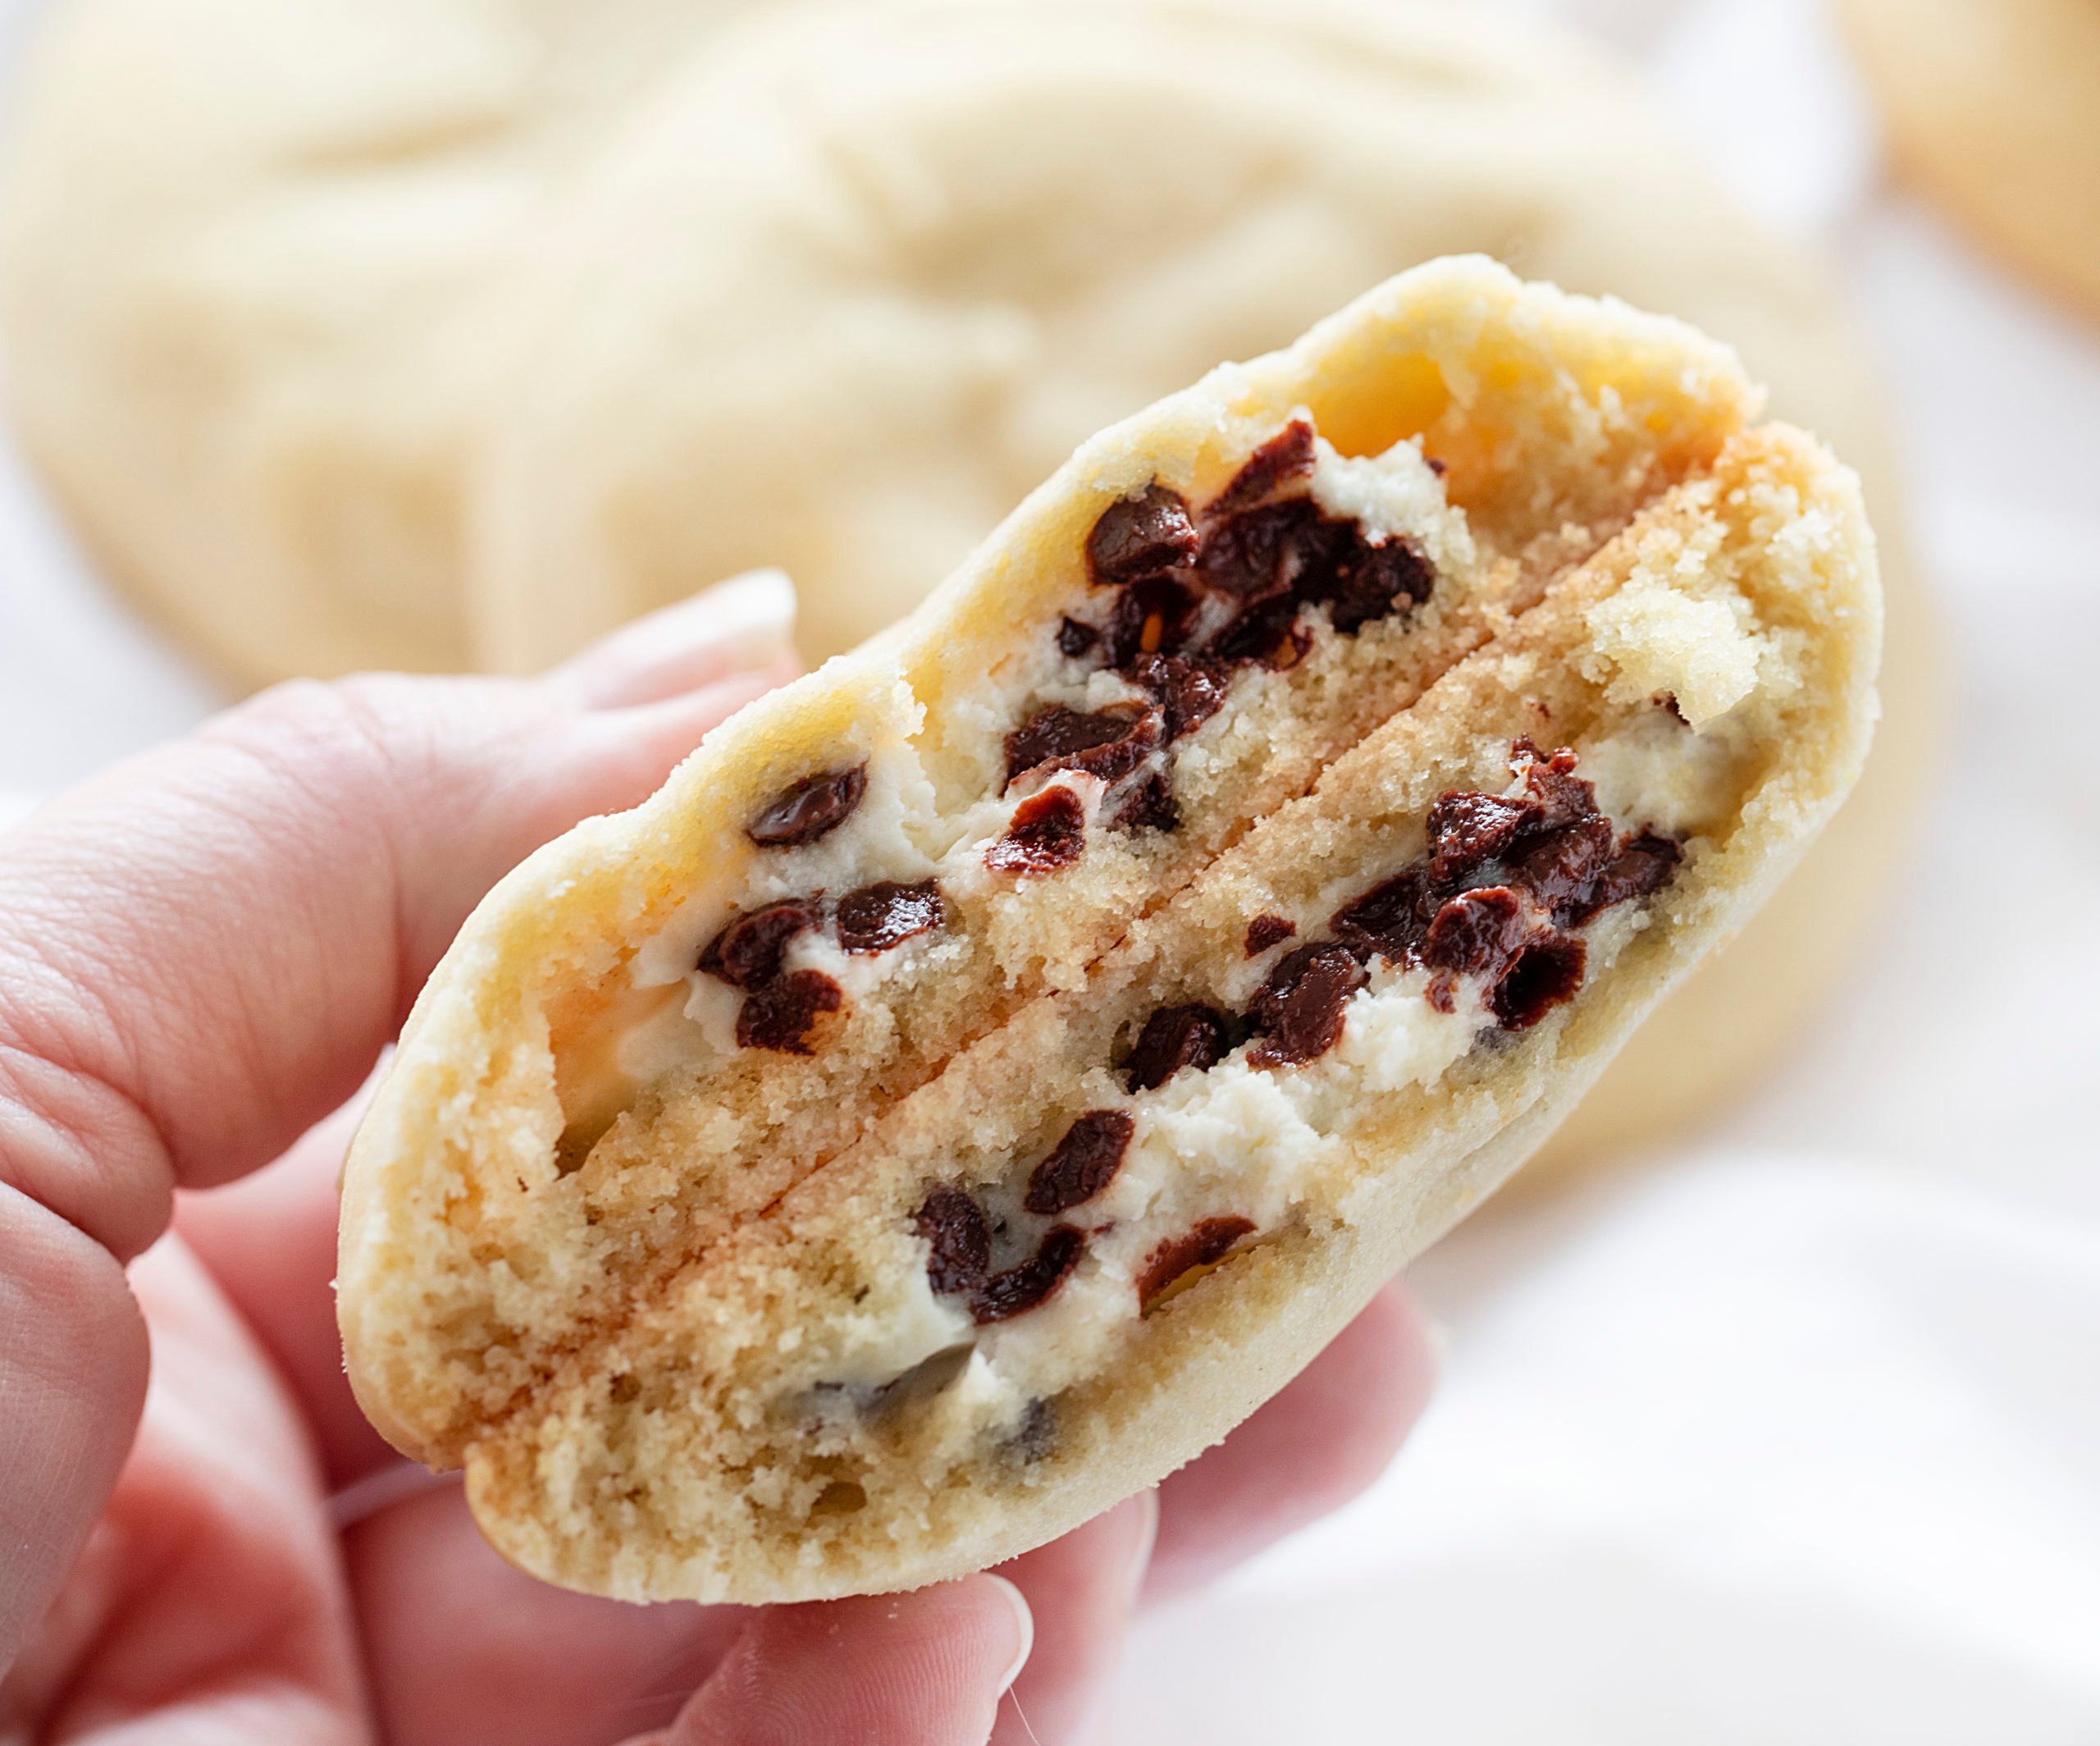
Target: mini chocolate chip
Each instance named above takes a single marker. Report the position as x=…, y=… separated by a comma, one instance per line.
x=1075, y=638
x=1643, y=864
x=1084, y=1163
x=1561, y=868
x=1153, y=616
x=1437, y=467
x=1299, y=1009
x=955, y=1227
x=1390, y=918
x=1476, y=933
x=1372, y=582
x=1138, y=536
x=1109, y=743
x=779, y=1016
x=1037, y=1434
x=1204, y=1246
x=1021, y=1288
x=1149, y=805
x=746, y=954
x=877, y=917
x=1540, y=978
x=1047, y=834
x=1189, y=692
x=1263, y=633
x=1562, y=795
x=1174, y=1037
x=1284, y=456
x=808, y=809
x=1251, y=555
x=1468, y=828
x=1265, y=931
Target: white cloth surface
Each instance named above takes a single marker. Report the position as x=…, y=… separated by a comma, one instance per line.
x=1795, y=1436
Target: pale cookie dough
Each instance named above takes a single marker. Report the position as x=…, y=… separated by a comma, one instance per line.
x=1993, y=107
x=996, y=1063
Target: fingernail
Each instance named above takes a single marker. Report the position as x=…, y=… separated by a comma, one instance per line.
x=744, y=623
x=1024, y=1629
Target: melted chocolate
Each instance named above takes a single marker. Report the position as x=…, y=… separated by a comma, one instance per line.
x=1204, y=1246
x=804, y=812
x=1109, y=743
x=1083, y=1163
x=1469, y=828
x=1047, y=834
x=1265, y=931
x=1299, y=1011
x=1176, y=1037
x=1286, y=456
x=1139, y=535
x=1150, y=805
x=746, y=954
x=780, y=1015
x=1154, y=616
x=954, y=1226
x=1021, y=1288
x=878, y=917
x=1189, y=692
x=1075, y=638
x=1477, y=932
x=1539, y=979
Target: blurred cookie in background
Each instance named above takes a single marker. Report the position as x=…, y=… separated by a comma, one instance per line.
x=1992, y=106
x=458, y=381
x=242, y=247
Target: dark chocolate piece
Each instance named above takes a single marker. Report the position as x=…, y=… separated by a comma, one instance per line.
x=1286, y=456
x=1047, y=834
x=1390, y=918
x=1021, y=1288
x=1176, y=1037
x=780, y=1015
x=954, y=1227
x=1540, y=978
x=1189, y=692
x=1298, y=1010
x=1153, y=616
x=1561, y=868
x=808, y=809
x=1265, y=931
x=1109, y=743
x=1562, y=795
x=1140, y=536
x=1468, y=828
x=1371, y=583
x=1204, y=1246
x=1084, y=1163
x=878, y=917
x=1075, y=638
x=1476, y=933
x=1149, y=805
x=746, y=954
x=1644, y=863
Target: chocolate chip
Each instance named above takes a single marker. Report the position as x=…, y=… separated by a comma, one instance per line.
x=1299, y=1009
x=1390, y=918
x=1139, y=536
x=877, y=917
x=1047, y=833
x=1560, y=869
x=1153, y=616
x=1476, y=933
x=1563, y=797
x=1084, y=1163
x=746, y=954
x=1253, y=554
x=1149, y=805
x=1371, y=582
x=1286, y=455
x=1540, y=978
x=1469, y=829
x=954, y=1226
x=1021, y=1288
x=1189, y=692
x=1437, y=467
x=1176, y=1037
x=1075, y=638
x=780, y=1015
x=1204, y=1246
x=808, y=809
x=1643, y=864
x=1263, y=633
x=1109, y=743
x=1265, y=931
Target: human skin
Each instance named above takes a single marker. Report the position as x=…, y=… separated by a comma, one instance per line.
x=202, y=955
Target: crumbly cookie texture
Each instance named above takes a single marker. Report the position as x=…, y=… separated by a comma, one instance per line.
x=992, y=1066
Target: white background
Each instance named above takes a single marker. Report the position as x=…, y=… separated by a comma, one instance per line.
x=1794, y=1436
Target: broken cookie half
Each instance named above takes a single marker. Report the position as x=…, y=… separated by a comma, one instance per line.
x=995, y=1064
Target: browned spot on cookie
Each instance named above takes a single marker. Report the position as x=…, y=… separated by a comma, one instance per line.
x=1022, y=1288
x=1047, y=833
x=1265, y=931
x=780, y=1015
x=1084, y=1163
x=810, y=808
x=878, y=917
x=1298, y=1010
x=1204, y=1246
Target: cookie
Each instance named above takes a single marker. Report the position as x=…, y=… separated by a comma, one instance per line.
x=1993, y=107
x=994, y=1064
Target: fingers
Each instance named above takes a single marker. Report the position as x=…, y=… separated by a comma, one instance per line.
x=1082, y=1590
x=926, y=1669
x=743, y=623
x=1310, y=1450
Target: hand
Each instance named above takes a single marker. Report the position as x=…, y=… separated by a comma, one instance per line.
x=201, y=955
